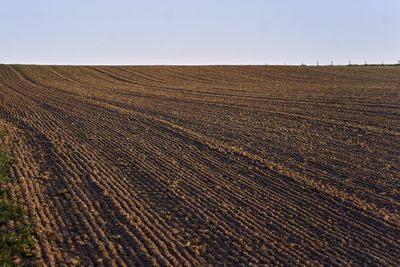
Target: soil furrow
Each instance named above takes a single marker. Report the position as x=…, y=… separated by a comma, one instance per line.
x=211, y=165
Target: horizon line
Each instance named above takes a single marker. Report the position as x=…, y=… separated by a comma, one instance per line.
x=194, y=65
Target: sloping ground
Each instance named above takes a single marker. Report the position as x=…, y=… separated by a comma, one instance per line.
x=207, y=165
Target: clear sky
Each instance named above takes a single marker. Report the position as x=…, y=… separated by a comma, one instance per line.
x=199, y=31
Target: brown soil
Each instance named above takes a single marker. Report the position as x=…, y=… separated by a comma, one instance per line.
x=232, y=165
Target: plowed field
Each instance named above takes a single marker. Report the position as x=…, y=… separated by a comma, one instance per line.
x=207, y=165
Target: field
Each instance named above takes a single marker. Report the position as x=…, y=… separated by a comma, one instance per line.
x=168, y=165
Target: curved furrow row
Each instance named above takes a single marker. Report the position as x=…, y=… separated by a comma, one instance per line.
x=207, y=165
x=69, y=160
x=316, y=169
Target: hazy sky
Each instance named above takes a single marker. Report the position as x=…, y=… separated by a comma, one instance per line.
x=199, y=32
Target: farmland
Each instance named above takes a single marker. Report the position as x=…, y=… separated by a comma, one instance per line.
x=196, y=165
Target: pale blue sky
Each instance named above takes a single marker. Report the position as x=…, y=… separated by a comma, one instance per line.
x=199, y=32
